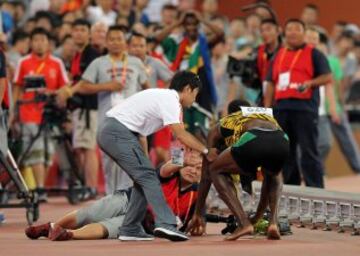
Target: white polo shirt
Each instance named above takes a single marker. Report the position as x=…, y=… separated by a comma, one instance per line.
x=148, y=111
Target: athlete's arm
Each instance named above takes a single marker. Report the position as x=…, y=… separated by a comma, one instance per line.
x=190, y=141
x=214, y=136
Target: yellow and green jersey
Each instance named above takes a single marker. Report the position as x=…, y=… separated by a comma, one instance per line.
x=233, y=125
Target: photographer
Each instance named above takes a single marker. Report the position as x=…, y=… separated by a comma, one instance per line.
x=104, y=217
x=112, y=78
x=85, y=118
x=39, y=63
x=253, y=69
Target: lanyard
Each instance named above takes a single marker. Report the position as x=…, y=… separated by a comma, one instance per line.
x=124, y=69
x=40, y=68
x=264, y=63
x=298, y=53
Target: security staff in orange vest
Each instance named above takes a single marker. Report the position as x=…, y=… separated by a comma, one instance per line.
x=294, y=77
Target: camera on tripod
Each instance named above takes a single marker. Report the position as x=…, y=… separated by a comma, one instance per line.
x=52, y=113
x=246, y=69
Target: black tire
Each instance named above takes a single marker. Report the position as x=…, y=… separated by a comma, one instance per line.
x=30, y=215
x=36, y=213
x=4, y=197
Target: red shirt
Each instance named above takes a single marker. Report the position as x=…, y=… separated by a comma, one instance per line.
x=75, y=66
x=54, y=73
x=180, y=202
x=162, y=138
x=263, y=62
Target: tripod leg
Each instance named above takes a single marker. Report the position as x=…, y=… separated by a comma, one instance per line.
x=74, y=166
x=16, y=168
x=14, y=174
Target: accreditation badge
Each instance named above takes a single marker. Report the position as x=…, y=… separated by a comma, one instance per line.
x=284, y=80
x=177, y=155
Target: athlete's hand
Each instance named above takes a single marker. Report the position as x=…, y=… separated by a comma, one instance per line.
x=196, y=226
x=212, y=155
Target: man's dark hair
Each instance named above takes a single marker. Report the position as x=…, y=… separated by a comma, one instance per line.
x=183, y=78
x=169, y=7
x=324, y=38
x=357, y=43
x=19, y=35
x=39, y=31
x=239, y=18
x=190, y=15
x=346, y=35
x=234, y=106
x=44, y=15
x=341, y=23
x=117, y=28
x=269, y=21
x=295, y=20
x=20, y=3
x=81, y=22
x=136, y=34
x=312, y=6
x=66, y=37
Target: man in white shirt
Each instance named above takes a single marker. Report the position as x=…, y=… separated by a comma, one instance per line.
x=123, y=137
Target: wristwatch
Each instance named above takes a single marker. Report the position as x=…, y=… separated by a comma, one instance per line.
x=205, y=151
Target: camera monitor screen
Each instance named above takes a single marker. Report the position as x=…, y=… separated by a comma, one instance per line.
x=34, y=83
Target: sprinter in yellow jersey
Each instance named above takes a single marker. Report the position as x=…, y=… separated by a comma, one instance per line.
x=253, y=139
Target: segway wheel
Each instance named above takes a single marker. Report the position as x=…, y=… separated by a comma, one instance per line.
x=36, y=213
x=4, y=197
x=30, y=215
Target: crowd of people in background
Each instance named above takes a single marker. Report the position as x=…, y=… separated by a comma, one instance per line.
x=69, y=42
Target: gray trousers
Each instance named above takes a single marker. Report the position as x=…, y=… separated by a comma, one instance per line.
x=115, y=177
x=3, y=133
x=344, y=136
x=325, y=138
x=124, y=148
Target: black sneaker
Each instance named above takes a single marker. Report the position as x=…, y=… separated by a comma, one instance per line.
x=170, y=233
x=136, y=237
